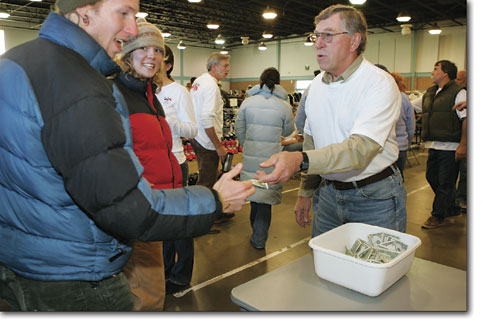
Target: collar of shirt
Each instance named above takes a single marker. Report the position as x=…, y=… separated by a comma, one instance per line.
x=328, y=77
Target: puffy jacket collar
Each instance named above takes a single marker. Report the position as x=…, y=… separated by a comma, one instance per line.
x=134, y=84
x=279, y=91
x=62, y=31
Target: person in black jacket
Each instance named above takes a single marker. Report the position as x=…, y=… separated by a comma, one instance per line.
x=72, y=195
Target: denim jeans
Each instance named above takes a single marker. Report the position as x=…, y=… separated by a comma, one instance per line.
x=178, y=255
x=24, y=294
x=260, y=219
x=441, y=174
x=382, y=204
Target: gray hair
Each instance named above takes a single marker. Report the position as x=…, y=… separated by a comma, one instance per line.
x=353, y=21
x=216, y=58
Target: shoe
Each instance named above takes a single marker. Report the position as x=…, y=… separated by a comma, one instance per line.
x=172, y=288
x=433, y=222
x=256, y=247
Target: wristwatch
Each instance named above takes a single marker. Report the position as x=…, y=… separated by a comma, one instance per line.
x=305, y=164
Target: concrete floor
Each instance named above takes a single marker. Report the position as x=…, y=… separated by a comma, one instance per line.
x=226, y=260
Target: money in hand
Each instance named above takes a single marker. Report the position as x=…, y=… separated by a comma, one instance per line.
x=259, y=184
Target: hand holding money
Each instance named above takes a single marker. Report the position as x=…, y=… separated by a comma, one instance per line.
x=233, y=193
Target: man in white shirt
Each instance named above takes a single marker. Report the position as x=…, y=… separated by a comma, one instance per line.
x=444, y=134
x=208, y=106
x=350, y=146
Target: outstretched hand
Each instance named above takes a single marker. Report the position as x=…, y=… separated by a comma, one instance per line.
x=233, y=193
x=285, y=165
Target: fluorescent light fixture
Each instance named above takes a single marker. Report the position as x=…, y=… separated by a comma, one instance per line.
x=267, y=35
x=181, y=45
x=36, y=0
x=219, y=40
x=4, y=15
x=166, y=33
x=212, y=25
x=141, y=14
x=308, y=41
x=195, y=1
x=269, y=13
x=435, y=30
x=357, y=1
x=224, y=51
x=403, y=16
x=262, y=46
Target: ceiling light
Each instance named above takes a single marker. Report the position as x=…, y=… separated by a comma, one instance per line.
x=181, y=45
x=141, y=14
x=435, y=30
x=403, y=16
x=4, y=14
x=244, y=40
x=224, y=51
x=406, y=29
x=195, y=1
x=262, y=46
x=357, y=1
x=36, y=0
x=212, y=25
x=267, y=35
x=219, y=40
x=308, y=41
x=166, y=33
x=269, y=13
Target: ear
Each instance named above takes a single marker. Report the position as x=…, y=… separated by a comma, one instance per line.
x=355, y=41
x=83, y=13
x=167, y=66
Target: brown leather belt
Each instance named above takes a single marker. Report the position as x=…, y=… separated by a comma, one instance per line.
x=363, y=182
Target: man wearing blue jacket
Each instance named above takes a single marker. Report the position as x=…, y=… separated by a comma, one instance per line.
x=72, y=195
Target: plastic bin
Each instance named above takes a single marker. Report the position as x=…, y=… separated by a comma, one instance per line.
x=332, y=264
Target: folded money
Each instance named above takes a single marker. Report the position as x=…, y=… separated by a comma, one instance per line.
x=259, y=184
x=380, y=248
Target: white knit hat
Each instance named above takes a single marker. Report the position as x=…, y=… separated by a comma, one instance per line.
x=148, y=35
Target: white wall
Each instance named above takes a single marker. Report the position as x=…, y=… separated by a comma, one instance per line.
x=14, y=37
x=393, y=50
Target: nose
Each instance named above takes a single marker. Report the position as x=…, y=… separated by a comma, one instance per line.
x=131, y=27
x=319, y=43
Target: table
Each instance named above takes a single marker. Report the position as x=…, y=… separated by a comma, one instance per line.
x=427, y=286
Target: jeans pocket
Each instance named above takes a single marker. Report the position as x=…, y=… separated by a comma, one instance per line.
x=382, y=190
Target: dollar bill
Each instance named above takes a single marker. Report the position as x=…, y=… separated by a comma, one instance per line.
x=380, y=248
x=259, y=184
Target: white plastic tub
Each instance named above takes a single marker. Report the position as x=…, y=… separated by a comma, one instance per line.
x=332, y=264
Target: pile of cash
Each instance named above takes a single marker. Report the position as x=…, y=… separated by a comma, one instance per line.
x=379, y=249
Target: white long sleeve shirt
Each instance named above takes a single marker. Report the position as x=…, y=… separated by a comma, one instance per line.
x=208, y=106
x=180, y=116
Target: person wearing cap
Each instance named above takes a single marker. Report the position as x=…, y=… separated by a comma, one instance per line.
x=141, y=60
x=72, y=195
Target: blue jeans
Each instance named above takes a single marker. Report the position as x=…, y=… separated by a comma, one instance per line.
x=260, y=219
x=441, y=174
x=382, y=204
x=24, y=294
x=179, y=271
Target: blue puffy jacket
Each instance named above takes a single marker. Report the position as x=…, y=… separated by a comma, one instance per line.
x=72, y=198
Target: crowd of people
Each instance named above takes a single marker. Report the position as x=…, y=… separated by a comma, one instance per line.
x=95, y=209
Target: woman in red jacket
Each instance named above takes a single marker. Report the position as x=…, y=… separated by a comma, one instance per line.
x=141, y=60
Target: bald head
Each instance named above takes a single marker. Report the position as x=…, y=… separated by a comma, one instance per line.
x=461, y=78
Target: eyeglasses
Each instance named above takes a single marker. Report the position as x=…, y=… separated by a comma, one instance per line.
x=326, y=37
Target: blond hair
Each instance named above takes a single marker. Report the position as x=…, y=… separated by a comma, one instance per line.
x=126, y=64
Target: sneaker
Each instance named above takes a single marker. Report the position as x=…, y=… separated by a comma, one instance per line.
x=433, y=222
x=172, y=288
